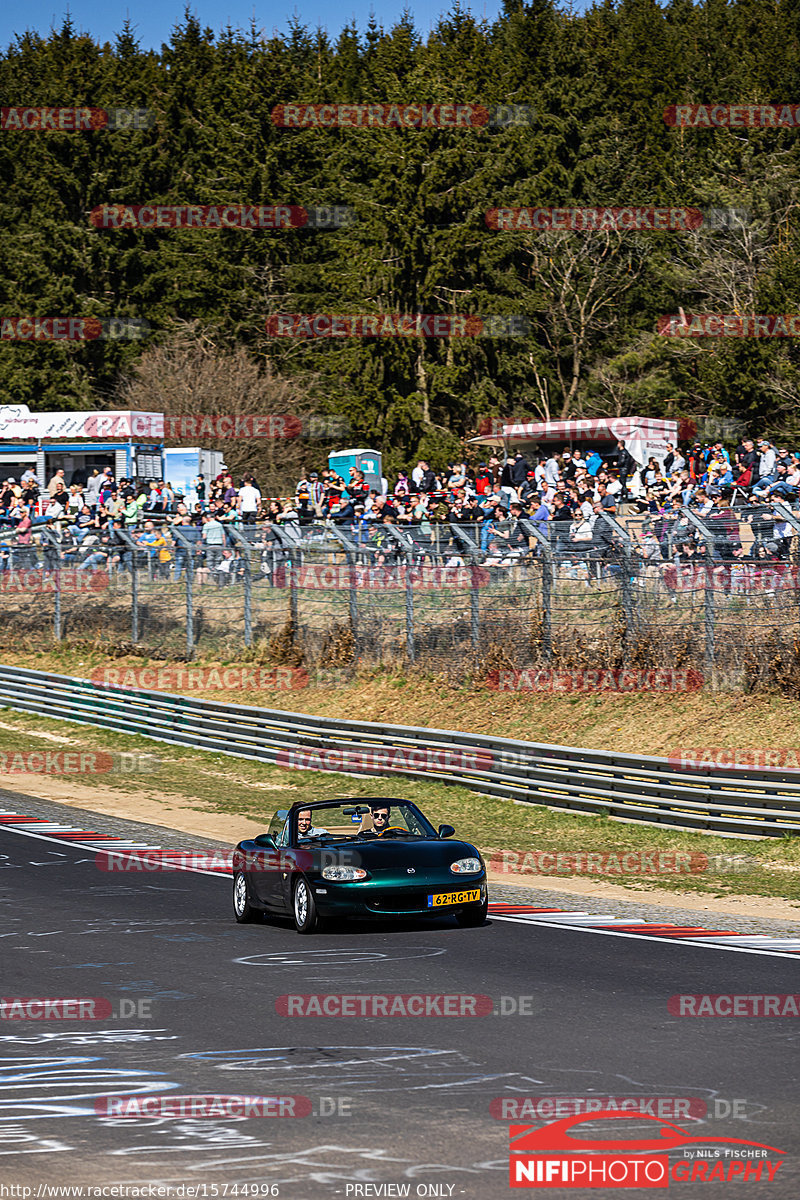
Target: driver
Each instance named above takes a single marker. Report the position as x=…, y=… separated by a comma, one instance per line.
x=380, y=818
x=304, y=827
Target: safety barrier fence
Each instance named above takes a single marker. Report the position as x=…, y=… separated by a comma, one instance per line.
x=733, y=802
x=659, y=590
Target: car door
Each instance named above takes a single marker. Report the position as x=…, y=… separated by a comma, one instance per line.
x=265, y=874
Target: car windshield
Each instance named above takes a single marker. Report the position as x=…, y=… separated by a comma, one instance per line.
x=346, y=820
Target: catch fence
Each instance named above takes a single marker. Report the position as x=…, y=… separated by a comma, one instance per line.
x=718, y=594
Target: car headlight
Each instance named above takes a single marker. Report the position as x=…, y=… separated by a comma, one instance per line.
x=343, y=874
x=466, y=866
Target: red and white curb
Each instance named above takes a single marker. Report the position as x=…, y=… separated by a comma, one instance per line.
x=216, y=862
x=522, y=914
x=637, y=927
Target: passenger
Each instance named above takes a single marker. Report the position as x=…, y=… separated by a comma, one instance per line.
x=304, y=827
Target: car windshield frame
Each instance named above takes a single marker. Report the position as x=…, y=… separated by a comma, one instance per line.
x=318, y=809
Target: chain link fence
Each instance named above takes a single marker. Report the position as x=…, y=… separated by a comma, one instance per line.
x=715, y=592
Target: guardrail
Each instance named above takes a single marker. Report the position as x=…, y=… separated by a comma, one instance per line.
x=738, y=803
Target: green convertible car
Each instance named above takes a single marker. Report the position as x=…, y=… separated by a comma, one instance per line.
x=375, y=858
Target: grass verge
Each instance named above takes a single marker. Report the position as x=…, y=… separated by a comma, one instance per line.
x=221, y=784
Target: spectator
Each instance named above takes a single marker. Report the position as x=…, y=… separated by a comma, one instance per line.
x=625, y=464
x=673, y=460
x=552, y=471
x=249, y=499
x=213, y=541
x=767, y=460
x=519, y=472
x=56, y=478
x=484, y=479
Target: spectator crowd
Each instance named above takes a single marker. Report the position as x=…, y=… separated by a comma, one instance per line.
x=560, y=498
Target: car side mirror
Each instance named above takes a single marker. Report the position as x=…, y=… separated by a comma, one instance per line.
x=446, y=831
x=265, y=839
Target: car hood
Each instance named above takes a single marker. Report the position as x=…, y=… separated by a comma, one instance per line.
x=380, y=854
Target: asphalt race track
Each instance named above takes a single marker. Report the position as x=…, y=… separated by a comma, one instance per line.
x=399, y=1101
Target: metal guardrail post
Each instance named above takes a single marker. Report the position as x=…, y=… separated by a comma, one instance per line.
x=134, y=549
x=191, y=549
x=410, y=642
x=627, y=579
x=54, y=542
x=242, y=541
x=792, y=519
x=548, y=569
x=294, y=607
x=351, y=556
x=708, y=591
x=474, y=605
x=473, y=552
x=405, y=542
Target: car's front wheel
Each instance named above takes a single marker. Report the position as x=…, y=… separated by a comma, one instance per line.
x=474, y=915
x=242, y=908
x=304, y=908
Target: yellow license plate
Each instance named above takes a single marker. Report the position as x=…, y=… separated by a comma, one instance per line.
x=454, y=898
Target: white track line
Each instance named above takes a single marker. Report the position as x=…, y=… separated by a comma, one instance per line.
x=642, y=937
x=579, y=921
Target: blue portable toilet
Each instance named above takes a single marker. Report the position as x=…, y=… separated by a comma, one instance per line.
x=368, y=461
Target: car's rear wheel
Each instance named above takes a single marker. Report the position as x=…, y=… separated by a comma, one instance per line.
x=304, y=908
x=242, y=908
x=474, y=915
